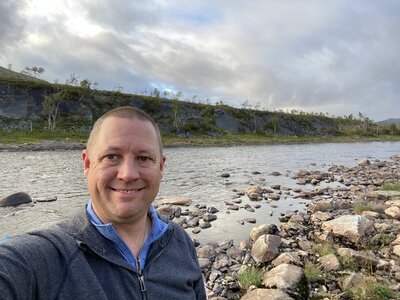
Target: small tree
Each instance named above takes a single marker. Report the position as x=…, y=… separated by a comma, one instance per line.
x=34, y=71
x=50, y=106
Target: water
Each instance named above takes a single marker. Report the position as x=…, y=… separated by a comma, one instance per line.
x=190, y=172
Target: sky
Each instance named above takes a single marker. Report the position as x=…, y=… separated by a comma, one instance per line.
x=330, y=56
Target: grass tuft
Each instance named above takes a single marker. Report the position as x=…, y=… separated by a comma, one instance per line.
x=250, y=276
x=370, y=289
x=312, y=272
x=323, y=249
x=391, y=186
x=360, y=207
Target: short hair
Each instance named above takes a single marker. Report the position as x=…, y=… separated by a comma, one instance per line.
x=126, y=112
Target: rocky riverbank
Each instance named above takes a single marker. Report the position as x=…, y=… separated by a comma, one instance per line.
x=347, y=244
x=348, y=238
x=42, y=146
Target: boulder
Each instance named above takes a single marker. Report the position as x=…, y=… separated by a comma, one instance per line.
x=393, y=212
x=329, y=262
x=351, y=227
x=262, y=294
x=15, y=199
x=288, y=278
x=176, y=201
x=266, y=248
x=261, y=230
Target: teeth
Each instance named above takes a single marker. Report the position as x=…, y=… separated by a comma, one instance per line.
x=127, y=191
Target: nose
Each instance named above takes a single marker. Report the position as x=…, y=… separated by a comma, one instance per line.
x=128, y=171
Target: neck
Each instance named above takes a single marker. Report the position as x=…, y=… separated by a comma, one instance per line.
x=135, y=236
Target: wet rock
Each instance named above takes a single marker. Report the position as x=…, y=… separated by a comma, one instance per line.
x=205, y=225
x=209, y=217
x=48, y=199
x=250, y=220
x=15, y=199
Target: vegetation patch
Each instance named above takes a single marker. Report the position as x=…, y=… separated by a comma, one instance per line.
x=312, y=272
x=360, y=207
x=250, y=276
x=370, y=289
x=391, y=186
x=323, y=249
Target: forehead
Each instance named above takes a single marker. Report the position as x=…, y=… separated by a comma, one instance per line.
x=124, y=133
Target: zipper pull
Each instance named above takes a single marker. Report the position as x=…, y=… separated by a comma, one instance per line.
x=142, y=286
x=141, y=276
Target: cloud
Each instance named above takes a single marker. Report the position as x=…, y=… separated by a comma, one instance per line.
x=11, y=23
x=337, y=56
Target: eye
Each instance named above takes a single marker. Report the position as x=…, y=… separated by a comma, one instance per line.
x=111, y=157
x=144, y=158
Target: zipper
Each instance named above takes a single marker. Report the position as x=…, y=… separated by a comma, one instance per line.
x=141, y=279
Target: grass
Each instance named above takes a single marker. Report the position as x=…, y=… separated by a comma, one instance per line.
x=370, y=289
x=23, y=136
x=360, y=207
x=36, y=136
x=250, y=276
x=312, y=272
x=323, y=249
x=391, y=186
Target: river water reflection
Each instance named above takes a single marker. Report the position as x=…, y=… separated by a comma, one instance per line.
x=190, y=172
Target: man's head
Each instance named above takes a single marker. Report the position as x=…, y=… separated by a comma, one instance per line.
x=123, y=164
x=128, y=112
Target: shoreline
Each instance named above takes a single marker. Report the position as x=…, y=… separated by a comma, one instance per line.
x=52, y=145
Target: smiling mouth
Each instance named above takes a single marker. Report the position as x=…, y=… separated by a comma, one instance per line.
x=126, y=191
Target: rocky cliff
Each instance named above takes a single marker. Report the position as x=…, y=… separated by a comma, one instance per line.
x=22, y=106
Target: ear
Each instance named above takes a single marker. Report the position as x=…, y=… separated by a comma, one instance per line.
x=162, y=163
x=86, y=162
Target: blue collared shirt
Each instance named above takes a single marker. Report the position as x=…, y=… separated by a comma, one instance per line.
x=108, y=231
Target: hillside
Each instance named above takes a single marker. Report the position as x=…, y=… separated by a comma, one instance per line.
x=27, y=103
x=9, y=75
x=395, y=121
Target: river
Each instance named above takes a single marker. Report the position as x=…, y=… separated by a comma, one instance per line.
x=190, y=172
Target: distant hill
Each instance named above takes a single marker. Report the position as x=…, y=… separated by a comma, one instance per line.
x=395, y=121
x=6, y=74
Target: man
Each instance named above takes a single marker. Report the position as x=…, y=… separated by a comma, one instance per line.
x=118, y=247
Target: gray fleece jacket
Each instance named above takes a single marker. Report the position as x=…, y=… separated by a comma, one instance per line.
x=72, y=260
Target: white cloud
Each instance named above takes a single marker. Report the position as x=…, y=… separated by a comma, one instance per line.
x=338, y=56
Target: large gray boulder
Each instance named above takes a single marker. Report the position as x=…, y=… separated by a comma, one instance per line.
x=352, y=228
x=288, y=278
x=15, y=199
x=263, y=294
x=266, y=248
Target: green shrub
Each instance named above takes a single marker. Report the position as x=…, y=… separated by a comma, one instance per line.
x=370, y=289
x=250, y=276
x=323, y=249
x=312, y=272
x=360, y=207
x=391, y=186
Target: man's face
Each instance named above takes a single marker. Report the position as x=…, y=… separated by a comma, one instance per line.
x=123, y=167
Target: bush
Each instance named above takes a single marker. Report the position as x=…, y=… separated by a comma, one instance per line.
x=312, y=272
x=391, y=186
x=250, y=276
x=323, y=249
x=360, y=207
x=369, y=288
